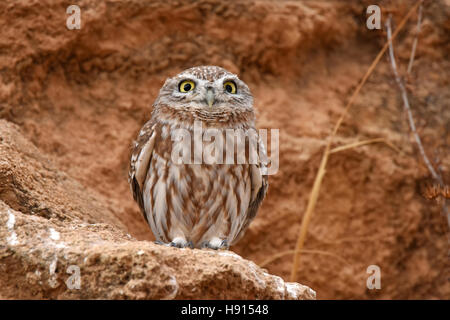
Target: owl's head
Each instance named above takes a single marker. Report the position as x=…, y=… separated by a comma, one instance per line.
x=206, y=88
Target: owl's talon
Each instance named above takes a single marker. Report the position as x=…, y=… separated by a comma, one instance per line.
x=215, y=244
x=224, y=245
x=160, y=243
x=181, y=243
x=190, y=245
x=204, y=245
x=175, y=245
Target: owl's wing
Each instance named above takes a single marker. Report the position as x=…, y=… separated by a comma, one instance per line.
x=140, y=160
x=259, y=185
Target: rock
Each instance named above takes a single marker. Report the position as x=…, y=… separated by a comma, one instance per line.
x=58, y=241
x=30, y=183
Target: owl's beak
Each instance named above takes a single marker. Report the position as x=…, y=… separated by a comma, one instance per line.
x=210, y=97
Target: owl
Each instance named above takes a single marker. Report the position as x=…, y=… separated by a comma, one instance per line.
x=198, y=204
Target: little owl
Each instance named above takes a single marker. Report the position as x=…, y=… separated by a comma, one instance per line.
x=197, y=204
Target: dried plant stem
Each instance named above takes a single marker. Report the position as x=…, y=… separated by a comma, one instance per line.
x=321, y=172
x=288, y=252
x=362, y=143
x=416, y=38
x=436, y=176
x=407, y=107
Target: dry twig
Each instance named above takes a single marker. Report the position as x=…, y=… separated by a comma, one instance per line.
x=285, y=253
x=436, y=176
x=416, y=38
x=362, y=143
x=407, y=107
x=321, y=171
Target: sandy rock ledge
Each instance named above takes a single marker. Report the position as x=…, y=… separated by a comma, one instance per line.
x=52, y=230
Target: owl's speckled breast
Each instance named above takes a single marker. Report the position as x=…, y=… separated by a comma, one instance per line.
x=191, y=201
x=194, y=200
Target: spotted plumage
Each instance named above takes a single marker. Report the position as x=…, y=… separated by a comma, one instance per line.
x=198, y=203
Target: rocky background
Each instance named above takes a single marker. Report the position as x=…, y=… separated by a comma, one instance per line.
x=72, y=101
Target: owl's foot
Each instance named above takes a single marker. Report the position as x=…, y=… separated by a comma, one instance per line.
x=161, y=243
x=181, y=243
x=216, y=244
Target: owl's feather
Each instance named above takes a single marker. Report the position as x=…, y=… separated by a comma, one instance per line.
x=140, y=159
x=194, y=204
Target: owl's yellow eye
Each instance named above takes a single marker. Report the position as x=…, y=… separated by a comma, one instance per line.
x=186, y=86
x=229, y=86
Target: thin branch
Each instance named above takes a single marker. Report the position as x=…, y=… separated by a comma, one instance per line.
x=416, y=38
x=412, y=125
x=407, y=107
x=362, y=143
x=321, y=171
x=288, y=252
